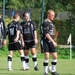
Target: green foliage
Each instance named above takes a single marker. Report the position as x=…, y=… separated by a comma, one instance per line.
x=64, y=28
x=7, y=20
x=22, y=4
x=65, y=53
x=62, y=53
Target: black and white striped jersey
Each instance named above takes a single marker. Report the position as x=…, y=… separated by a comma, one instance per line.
x=48, y=27
x=11, y=30
x=28, y=29
x=2, y=29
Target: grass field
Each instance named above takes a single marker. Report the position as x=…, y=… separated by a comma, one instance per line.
x=64, y=67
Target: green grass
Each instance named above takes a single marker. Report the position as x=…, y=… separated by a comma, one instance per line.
x=64, y=67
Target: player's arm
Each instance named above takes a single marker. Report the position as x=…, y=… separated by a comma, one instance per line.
x=35, y=37
x=35, y=34
x=50, y=39
x=17, y=35
x=21, y=37
x=46, y=33
x=4, y=34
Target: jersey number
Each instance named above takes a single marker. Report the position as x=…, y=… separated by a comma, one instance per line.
x=11, y=31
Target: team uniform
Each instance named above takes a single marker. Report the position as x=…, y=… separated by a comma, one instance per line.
x=2, y=31
x=28, y=29
x=11, y=32
x=47, y=46
x=48, y=27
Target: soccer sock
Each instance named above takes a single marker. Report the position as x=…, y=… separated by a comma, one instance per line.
x=45, y=64
x=23, y=61
x=53, y=64
x=34, y=58
x=9, y=61
x=27, y=60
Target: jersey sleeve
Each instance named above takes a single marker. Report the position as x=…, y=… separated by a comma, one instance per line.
x=21, y=29
x=45, y=28
x=34, y=25
x=3, y=29
x=18, y=26
x=7, y=30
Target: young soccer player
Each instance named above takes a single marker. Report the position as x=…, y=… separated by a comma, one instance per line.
x=2, y=32
x=49, y=45
x=30, y=39
x=13, y=32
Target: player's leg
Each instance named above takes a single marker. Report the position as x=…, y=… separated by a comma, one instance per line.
x=54, y=61
x=21, y=52
x=34, y=58
x=26, y=53
x=52, y=68
x=46, y=57
x=33, y=52
x=53, y=52
x=9, y=59
x=45, y=63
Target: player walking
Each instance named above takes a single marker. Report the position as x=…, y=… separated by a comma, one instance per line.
x=49, y=45
x=13, y=31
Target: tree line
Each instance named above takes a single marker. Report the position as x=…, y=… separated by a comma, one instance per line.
x=63, y=27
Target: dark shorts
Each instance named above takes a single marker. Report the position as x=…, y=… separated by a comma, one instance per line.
x=15, y=46
x=48, y=46
x=28, y=45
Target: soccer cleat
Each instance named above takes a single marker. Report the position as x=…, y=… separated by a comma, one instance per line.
x=45, y=73
x=10, y=69
x=51, y=69
x=54, y=73
x=24, y=69
x=36, y=68
x=27, y=68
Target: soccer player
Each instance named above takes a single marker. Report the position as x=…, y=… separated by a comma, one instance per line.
x=2, y=32
x=13, y=32
x=30, y=39
x=49, y=45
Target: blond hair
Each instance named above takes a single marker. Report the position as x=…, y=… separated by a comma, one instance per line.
x=49, y=11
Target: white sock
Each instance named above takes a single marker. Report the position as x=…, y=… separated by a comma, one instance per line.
x=23, y=62
x=9, y=64
x=34, y=62
x=53, y=67
x=45, y=67
x=27, y=63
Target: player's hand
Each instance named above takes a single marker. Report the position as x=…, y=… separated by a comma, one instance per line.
x=36, y=41
x=4, y=42
x=16, y=39
x=55, y=44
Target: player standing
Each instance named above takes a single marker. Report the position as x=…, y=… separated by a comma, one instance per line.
x=13, y=32
x=2, y=32
x=30, y=39
x=49, y=45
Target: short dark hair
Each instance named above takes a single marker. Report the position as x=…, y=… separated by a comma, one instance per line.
x=16, y=15
x=25, y=13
